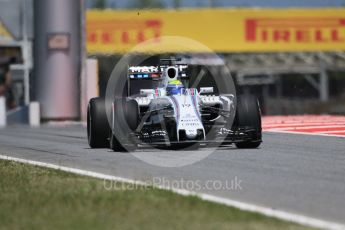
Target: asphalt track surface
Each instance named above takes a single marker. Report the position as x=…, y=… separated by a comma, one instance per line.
x=302, y=174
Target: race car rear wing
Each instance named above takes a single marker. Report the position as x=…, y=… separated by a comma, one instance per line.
x=154, y=72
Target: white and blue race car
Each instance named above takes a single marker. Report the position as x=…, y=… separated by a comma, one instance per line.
x=161, y=110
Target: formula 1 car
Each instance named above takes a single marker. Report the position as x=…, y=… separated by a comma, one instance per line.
x=160, y=110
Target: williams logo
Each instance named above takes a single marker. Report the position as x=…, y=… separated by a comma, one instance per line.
x=296, y=30
x=186, y=105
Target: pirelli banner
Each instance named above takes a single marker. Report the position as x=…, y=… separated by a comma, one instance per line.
x=221, y=30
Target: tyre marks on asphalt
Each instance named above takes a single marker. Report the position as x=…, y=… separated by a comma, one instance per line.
x=329, y=125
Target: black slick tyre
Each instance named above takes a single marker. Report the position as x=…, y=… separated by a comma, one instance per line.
x=97, y=124
x=248, y=115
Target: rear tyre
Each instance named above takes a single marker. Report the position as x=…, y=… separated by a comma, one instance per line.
x=248, y=115
x=123, y=111
x=97, y=124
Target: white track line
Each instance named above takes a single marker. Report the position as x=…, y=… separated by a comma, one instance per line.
x=301, y=124
x=296, y=218
x=303, y=133
x=310, y=127
x=334, y=131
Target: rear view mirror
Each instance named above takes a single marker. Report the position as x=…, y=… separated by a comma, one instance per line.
x=204, y=90
x=147, y=91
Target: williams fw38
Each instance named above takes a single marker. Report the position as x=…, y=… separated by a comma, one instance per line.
x=162, y=109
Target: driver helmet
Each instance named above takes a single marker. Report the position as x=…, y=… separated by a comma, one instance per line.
x=175, y=87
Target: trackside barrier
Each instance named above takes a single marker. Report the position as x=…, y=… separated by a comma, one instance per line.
x=34, y=114
x=2, y=112
x=236, y=30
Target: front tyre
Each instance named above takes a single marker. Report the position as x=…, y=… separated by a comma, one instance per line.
x=248, y=115
x=115, y=145
x=97, y=124
x=123, y=112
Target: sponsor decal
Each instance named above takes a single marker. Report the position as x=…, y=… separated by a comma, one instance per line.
x=123, y=31
x=143, y=69
x=236, y=30
x=299, y=29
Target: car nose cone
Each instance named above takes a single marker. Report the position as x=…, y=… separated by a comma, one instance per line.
x=191, y=133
